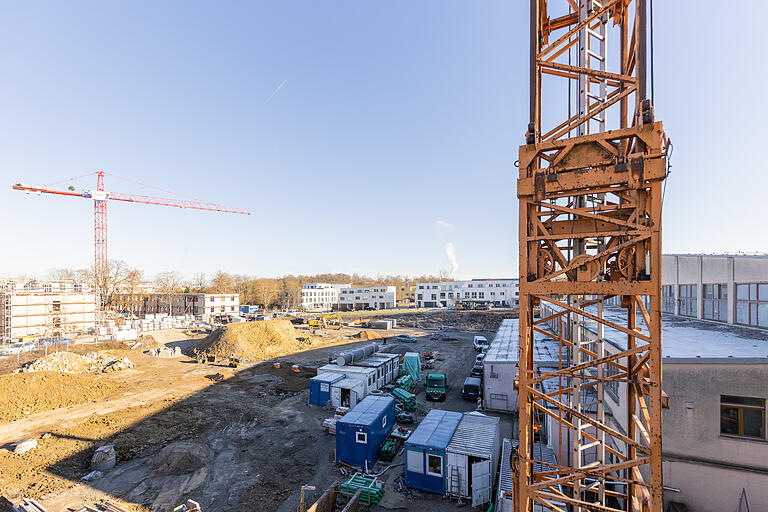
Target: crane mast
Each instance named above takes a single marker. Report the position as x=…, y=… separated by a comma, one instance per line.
x=590, y=195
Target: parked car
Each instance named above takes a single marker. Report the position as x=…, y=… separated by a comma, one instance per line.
x=471, y=389
x=479, y=357
x=480, y=342
x=298, y=320
x=477, y=370
x=404, y=338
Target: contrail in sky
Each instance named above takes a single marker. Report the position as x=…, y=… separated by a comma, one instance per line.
x=276, y=91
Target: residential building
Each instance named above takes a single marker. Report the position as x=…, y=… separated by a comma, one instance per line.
x=321, y=296
x=406, y=295
x=47, y=309
x=367, y=297
x=204, y=306
x=491, y=292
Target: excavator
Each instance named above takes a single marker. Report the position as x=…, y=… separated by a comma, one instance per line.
x=325, y=321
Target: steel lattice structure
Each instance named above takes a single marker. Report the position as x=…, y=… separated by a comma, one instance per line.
x=590, y=193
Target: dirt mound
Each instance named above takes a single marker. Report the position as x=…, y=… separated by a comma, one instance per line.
x=253, y=341
x=68, y=362
x=368, y=335
x=28, y=393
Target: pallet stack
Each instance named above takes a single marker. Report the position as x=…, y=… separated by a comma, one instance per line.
x=407, y=400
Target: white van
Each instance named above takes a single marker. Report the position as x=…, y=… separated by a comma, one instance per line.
x=480, y=342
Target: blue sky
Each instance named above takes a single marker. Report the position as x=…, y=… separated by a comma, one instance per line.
x=394, y=133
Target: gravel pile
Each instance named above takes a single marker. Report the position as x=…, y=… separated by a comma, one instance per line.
x=67, y=362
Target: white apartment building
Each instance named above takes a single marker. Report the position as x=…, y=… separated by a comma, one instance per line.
x=321, y=296
x=367, y=297
x=492, y=292
x=45, y=309
x=204, y=306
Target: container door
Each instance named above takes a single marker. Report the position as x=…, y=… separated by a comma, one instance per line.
x=335, y=396
x=456, y=478
x=481, y=482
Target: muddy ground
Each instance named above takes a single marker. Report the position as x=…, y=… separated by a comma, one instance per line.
x=247, y=442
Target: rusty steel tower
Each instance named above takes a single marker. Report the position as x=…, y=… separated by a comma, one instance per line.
x=590, y=191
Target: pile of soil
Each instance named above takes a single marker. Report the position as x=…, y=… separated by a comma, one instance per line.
x=28, y=393
x=253, y=341
x=75, y=363
x=368, y=335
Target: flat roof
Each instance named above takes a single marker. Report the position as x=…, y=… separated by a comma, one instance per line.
x=368, y=410
x=689, y=340
x=435, y=430
x=475, y=436
x=505, y=347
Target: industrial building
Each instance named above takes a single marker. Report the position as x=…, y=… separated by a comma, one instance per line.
x=715, y=444
x=45, y=309
x=206, y=307
x=367, y=297
x=448, y=294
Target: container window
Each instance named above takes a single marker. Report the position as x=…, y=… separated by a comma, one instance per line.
x=435, y=465
x=415, y=462
x=361, y=437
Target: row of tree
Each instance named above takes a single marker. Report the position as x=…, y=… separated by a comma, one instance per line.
x=266, y=292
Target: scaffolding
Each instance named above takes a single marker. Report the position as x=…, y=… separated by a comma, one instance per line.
x=590, y=193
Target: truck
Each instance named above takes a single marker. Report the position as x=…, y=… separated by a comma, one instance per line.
x=436, y=386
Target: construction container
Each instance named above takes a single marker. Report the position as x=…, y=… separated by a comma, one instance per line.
x=366, y=375
x=361, y=432
x=347, y=392
x=392, y=367
x=382, y=324
x=473, y=455
x=320, y=387
x=425, y=457
x=379, y=365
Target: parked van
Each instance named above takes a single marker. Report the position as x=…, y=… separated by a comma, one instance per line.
x=471, y=388
x=480, y=342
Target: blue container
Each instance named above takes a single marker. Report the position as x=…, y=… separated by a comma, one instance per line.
x=425, y=459
x=249, y=309
x=361, y=432
x=320, y=387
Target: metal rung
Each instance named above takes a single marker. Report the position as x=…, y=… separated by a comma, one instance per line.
x=596, y=97
x=595, y=35
x=595, y=55
x=588, y=446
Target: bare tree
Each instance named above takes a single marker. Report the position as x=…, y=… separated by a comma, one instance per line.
x=168, y=283
x=222, y=283
x=199, y=283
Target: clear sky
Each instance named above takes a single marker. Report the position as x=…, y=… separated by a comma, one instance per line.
x=364, y=136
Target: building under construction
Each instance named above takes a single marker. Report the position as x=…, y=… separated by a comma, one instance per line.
x=45, y=309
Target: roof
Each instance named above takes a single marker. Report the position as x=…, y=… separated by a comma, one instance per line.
x=348, y=383
x=475, y=435
x=327, y=377
x=334, y=368
x=435, y=430
x=505, y=347
x=370, y=362
x=690, y=340
x=368, y=410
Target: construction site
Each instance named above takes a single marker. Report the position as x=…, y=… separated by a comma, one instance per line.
x=608, y=376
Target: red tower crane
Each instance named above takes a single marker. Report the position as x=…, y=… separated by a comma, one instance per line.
x=100, y=197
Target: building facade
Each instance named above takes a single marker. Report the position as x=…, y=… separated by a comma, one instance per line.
x=367, y=297
x=45, y=309
x=728, y=288
x=321, y=296
x=204, y=306
x=490, y=292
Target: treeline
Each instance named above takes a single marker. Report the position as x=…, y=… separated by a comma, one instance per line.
x=272, y=292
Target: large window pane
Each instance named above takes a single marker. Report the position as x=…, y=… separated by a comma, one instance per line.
x=742, y=292
x=729, y=420
x=709, y=292
x=762, y=314
x=762, y=292
x=753, y=292
x=742, y=312
x=754, y=422
x=709, y=312
x=752, y=313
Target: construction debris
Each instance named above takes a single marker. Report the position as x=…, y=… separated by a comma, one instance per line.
x=189, y=506
x=93, y=475
x=24, y=445
x=104, y=458
x=68, y=362
x=252, y=341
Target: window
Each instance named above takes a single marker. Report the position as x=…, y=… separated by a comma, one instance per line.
x=434, y=465
x=612, y=386
x=415, y=461
x=57, y=305
x=361, y=437
x=742, y=416
x=715, y=302
x=752, y=304
x=667, y=299
x=687, y=298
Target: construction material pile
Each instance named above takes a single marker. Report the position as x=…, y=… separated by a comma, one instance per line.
x=253, y=341
x=67, y=362
x=23, y=394
x=372, y=488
